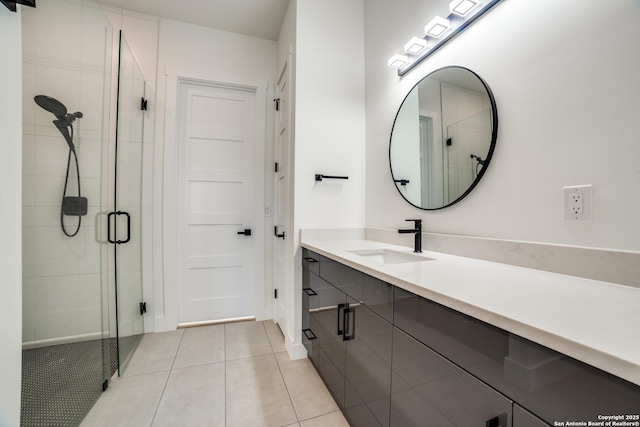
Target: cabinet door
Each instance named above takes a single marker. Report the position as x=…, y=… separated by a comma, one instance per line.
x=377, y=295
x=429, y=390
x=345, y=278
x=552, y=385
x=368, y=366
x=524, y=418
x=327, y=317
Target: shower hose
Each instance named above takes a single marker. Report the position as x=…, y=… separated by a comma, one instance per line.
x=64, y=192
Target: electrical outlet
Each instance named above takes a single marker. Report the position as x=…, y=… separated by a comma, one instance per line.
x=577, y=203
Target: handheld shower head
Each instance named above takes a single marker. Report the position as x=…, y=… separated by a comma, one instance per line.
x=52, y=105
x=63, y=120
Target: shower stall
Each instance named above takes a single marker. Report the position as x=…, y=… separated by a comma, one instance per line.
x=82, y=200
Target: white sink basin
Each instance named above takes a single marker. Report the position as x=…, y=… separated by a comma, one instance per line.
x=388, y=256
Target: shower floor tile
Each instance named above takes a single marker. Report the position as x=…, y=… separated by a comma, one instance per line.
x=61, y=383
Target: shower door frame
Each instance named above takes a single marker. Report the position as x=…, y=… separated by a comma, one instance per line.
x=124, y=307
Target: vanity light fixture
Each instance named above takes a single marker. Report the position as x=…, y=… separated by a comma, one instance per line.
x=436, y=27
x=439, y=31
x=462, y=7
x=415, y=46
x=398, y=61
x=11, y=4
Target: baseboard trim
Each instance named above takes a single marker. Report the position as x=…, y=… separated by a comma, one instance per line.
x=64, y=340
x=216, y=322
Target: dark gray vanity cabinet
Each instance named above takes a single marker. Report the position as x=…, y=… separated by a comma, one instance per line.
x=549, y=384
x=322, y=307
x=368, y=367
x=524, y=418
x=393, y=358
x=349, y=342
x=430, y=390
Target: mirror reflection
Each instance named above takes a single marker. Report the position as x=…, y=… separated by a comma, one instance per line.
x=443, y=138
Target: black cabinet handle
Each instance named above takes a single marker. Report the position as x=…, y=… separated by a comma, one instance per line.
x=246, y=232
x=309, y=292
x=275, y=232
x=309, y=259
x=493, y=422
x=349, y=321
x=341, y=308
x=309, y=334
x=109, y=216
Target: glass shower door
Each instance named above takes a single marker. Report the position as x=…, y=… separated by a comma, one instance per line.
x=125, y=228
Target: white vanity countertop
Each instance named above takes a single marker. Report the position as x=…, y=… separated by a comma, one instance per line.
x=595, y=322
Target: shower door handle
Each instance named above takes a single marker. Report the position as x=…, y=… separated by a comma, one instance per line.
x=115, y=214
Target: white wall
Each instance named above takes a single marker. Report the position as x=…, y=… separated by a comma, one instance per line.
x=329, y=125
x=568, y=104
x=11, y=217
x=191, y=51
x=330, y=116
x=165, y=49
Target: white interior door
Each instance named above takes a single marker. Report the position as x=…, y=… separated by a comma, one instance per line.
x=215, y=196
x=282, y=197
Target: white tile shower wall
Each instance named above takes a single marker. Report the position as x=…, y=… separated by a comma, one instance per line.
x=63, y=57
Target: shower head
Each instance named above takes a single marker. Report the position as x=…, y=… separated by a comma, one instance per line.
x=63, y=119
x=479, y=159
x=58, y=109
x=52, y=105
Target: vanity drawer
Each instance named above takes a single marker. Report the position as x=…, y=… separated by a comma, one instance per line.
x=524, y=418
x=427, y=389
x=375, y=294
x=311, y=260
x=345, y=278
x=317, y=293
x=552, y=385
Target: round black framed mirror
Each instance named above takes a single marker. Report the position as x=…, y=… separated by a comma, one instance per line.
x=443, y=138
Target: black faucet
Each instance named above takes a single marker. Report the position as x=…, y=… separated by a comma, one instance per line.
x=418, y=234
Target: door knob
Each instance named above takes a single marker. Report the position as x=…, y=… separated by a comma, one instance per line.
x=246, y=232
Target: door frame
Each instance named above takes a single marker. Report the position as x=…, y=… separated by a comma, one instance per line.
x=284, y=290
x=167, y=293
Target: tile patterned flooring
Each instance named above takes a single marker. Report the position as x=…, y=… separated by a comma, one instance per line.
x=237, y=374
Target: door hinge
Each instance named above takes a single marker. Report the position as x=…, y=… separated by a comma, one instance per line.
x=277, y=101
x=275, y=293
x=143, y=104
x=143, y=308
x=276, y=167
